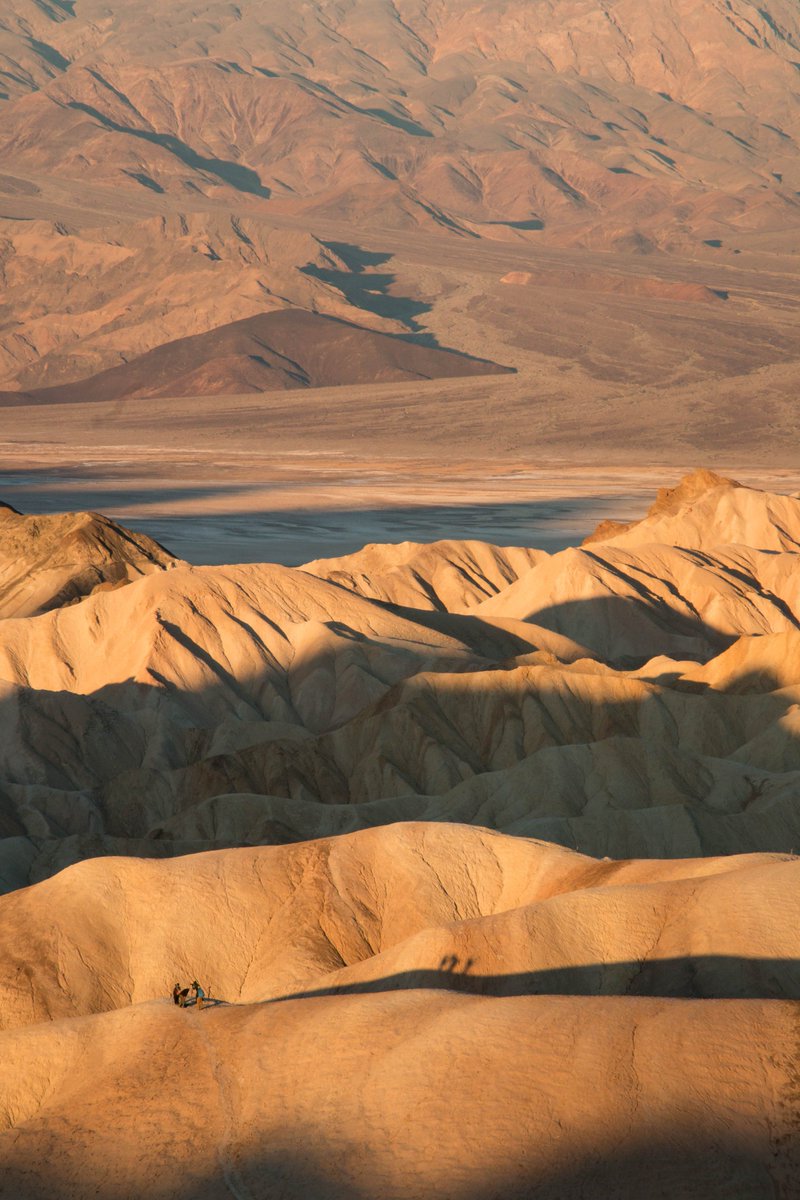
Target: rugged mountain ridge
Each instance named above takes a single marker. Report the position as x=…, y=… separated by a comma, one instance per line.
x=519, y=116
x=47, y=562
x=196, y=148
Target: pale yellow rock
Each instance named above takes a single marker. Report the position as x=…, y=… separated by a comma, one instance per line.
x=203, y=706
x=444, y=575
x=407, y=1049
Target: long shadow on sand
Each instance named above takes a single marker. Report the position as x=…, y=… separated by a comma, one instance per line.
x=674, y=1159
x=688, y=977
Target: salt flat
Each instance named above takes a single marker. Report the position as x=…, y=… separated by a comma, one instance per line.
x=290, y=506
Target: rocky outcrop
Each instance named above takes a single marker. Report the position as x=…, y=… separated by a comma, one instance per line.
x=48, y=561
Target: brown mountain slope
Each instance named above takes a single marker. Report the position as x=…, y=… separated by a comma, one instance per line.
x=587, y=118
x=114, y=292
x=282, y=349
x=150, y=156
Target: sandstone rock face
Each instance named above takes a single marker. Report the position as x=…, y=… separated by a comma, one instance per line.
x=555, y=1096
x=485, y=856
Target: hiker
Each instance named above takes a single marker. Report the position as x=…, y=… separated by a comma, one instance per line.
x=179, y=995
x=199, y=994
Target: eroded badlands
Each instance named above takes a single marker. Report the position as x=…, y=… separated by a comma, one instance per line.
x=487, y=857
x=635, y=696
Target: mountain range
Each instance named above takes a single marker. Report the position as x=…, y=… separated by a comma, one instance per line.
x=169, y=173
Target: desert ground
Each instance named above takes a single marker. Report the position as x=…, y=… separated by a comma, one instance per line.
x=399, y=600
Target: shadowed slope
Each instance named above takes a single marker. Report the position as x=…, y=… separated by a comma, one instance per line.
x=709, y=556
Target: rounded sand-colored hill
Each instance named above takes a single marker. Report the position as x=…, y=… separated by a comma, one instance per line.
x=416, y=1094
x=405, y=906
x=533, y=1004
